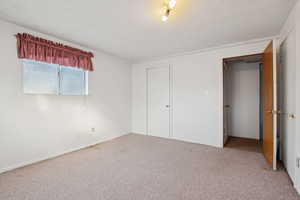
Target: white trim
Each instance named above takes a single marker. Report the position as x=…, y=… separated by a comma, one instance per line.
x=52, y=156
x=275, y=107
x=171, y=101
x=199, y=51
x=147, y=101
x=86, y=82
x=180, y=140
x=221, y=104
x=59, y=74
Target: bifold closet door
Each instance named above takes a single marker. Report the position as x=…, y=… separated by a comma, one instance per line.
x=158, y=101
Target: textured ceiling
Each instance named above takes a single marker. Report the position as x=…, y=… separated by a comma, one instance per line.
x=132, y=29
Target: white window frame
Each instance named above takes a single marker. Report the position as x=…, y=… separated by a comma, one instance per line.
x=59, y=79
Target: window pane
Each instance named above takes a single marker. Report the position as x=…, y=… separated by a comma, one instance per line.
x=40, y=78
x=72, y=81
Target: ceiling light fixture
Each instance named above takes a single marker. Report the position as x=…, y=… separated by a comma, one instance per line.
x=169, y=6
x=172, y=4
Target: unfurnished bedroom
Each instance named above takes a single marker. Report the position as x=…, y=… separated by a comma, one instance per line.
x=150, y=100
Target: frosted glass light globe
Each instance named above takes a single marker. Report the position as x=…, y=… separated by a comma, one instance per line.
x=172, y=4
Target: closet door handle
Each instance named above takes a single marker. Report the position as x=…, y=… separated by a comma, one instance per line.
x=291, y=116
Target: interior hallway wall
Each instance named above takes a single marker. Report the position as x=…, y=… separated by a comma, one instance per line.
x=37, y=127
x=244, y=100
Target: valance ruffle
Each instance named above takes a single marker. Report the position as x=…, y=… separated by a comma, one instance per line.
x=34, y=48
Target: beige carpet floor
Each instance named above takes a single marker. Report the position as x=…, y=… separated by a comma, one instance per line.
x=136, y=167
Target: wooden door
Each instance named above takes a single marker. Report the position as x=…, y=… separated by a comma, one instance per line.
x=269, y=103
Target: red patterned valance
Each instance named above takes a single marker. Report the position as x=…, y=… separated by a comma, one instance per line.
x=34, y=48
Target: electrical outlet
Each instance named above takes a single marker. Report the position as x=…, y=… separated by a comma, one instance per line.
x=93, y=130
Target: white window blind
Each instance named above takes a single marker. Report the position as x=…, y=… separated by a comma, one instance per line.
x=72, y=81
x=45, y=78
x=40, y=78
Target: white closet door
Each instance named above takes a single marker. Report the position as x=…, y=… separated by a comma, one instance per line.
x=158, y=111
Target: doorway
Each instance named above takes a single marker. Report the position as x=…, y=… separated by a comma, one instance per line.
x=242, y=99
x=252, y=121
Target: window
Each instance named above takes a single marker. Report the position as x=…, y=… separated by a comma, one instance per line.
x=72, y=81
x=40, y=78
x=45, y=78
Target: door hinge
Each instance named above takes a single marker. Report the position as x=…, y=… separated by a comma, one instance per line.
x=298, y=162
x=276, y=112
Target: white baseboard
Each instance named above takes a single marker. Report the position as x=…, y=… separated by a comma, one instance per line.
x=138, y=133
x=297, y=189
x=182, y=140
x=30, y=162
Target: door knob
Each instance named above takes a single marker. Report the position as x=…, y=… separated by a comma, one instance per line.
x=167, y=106
x=291, y=116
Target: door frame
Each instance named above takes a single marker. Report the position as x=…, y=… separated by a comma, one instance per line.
x=223, y=85
x=170, y=96
x=275, y=97
x=276, y=122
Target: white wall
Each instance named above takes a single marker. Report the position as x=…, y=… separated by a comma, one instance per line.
x=36, y=127
x=298, y=93
x=292, y=26
x=288, y=102
x=243, y=98
x=197, y=92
